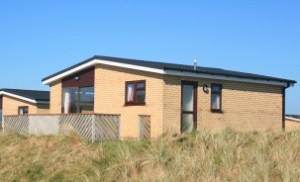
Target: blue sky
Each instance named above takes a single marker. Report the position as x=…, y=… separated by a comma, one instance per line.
x=38, y=38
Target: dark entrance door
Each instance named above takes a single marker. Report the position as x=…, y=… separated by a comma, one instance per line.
x=188, y=106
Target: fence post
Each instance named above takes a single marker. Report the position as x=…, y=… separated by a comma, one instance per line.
x=119, y=127
x=30, y=126
x=93, y=128
x=140, y=127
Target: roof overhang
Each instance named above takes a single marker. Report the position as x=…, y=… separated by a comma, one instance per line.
x=96, y=61
x=23, y=98
x=99, y=61
x=227, y=78
x=292, y=119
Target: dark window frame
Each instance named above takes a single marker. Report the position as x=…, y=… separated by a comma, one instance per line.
x=219, y=92
x=23, y=107
x=195, y=109
x=134, y=102
x=78, y=98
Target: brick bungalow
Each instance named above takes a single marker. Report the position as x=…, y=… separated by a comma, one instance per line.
x=19, y=102
x=176, y=97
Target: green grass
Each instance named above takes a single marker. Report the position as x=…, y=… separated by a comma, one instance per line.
x=200, y=156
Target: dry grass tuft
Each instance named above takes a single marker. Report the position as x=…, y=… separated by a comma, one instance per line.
x=199, y=156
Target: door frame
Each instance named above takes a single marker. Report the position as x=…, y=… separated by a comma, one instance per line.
x=195, y=84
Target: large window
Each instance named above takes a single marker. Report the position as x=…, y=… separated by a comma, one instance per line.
x=135, y=93
x=78, y=100
x=216, y=97
x=23, y=110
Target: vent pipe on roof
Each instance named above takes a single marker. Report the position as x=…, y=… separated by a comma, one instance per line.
x=195, y=64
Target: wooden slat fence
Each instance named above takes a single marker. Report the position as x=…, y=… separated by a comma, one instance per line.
x=81, y=124
x=94, y=127
x=19, y=124
x=107, y=127
x=145, y=127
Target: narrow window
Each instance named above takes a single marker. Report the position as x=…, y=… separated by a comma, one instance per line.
x=23, y=110
x=216, y=97
x=78, y=100
x=135, y=93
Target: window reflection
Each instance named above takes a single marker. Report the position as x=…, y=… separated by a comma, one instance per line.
x=78, y=100
x=86, y=99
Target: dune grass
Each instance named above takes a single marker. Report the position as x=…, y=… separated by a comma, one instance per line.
x=199, y=156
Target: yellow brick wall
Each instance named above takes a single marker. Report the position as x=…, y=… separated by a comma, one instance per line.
x=11, y=106
x=245, y=106
x=43, y=109
x=55, y=97
x=291, y=125
x=172, y=103
x=110, y=98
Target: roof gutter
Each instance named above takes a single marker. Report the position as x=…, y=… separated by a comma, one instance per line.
x=222, y=77
x=283, y=103
x=292, y=119
x=42, y=102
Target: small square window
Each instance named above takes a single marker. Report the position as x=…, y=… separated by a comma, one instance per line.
x=23, y=110
x=135, y=93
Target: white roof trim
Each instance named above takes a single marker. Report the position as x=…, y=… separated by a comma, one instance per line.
x=218, y=77
x=69, y=72
x=22, y=98
x=293, y=119
x=130, y=66
x=104, y=62
x=159, y=71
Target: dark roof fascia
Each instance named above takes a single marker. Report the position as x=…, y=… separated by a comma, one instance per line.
x=42, y=100
x=293, y=116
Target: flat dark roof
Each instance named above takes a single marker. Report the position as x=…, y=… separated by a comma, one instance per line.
x=295, y=116
x=177, y=67
x=37, y=95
